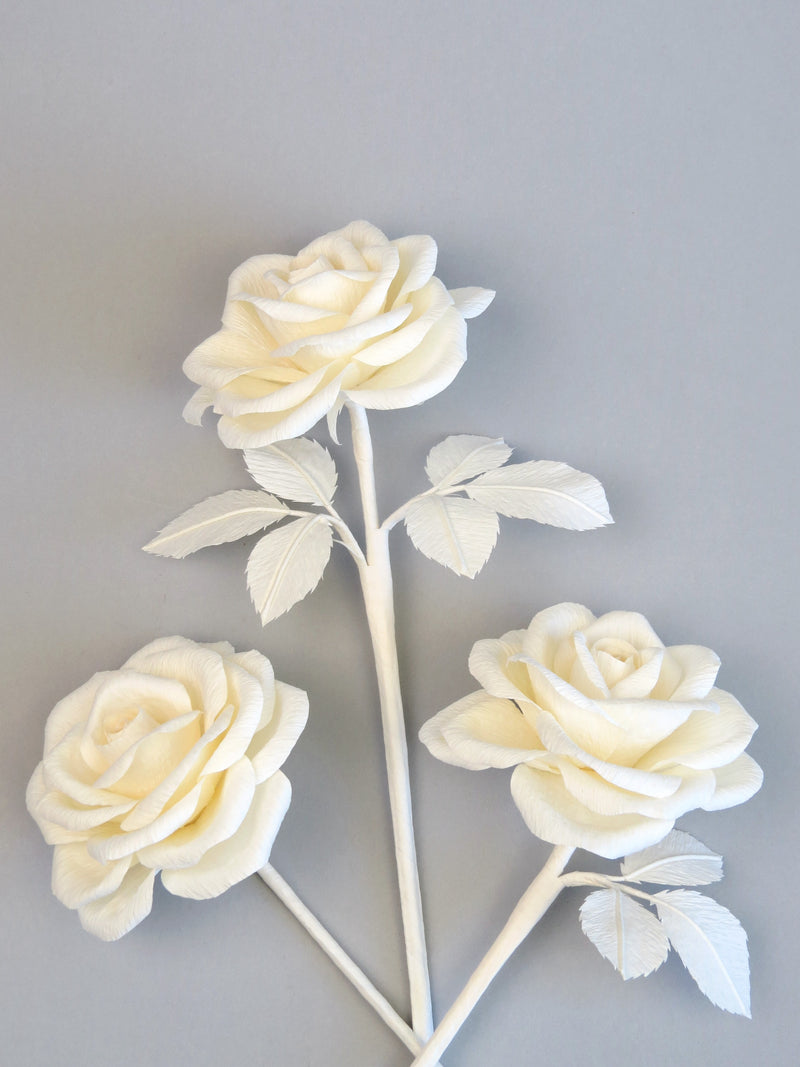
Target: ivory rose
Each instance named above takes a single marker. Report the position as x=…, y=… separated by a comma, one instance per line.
x=169, y=764
x=613, y=736
x=353, y=316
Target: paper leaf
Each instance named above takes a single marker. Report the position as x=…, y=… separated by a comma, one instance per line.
x=625, y=932
x=300, y=469
x=463, y=456
x=287, y=564
x=712, y=945
x=225, y=517
x=548, y=492
x=459, y=534
x=679, y=859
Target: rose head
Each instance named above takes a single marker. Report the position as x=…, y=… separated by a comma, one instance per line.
x=353, y=316
x=613, y=736
x=170, y=764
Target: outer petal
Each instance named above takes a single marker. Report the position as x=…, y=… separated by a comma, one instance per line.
x=422, y=374
x=480, y=731
x=273, y=742
x=550, y=627
x=698, y=667
x=472, y=301
x=241, y=855
x=489, y=664
x=218, y=821
x=707, y=739
x=600, y=796
x=72, y=710
x=117, y=846
x=554, y=815
x=555, y=740
x=79, y=879
x=736, y=782
x=110, y=917
x=254, y=431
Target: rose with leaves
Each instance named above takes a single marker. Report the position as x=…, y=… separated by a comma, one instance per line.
x=612, y=735
x=352, y=317
x=170, y=764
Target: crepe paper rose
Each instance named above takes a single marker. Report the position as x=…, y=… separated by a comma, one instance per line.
x=352, y=317
x=169, y=764
x=613, y=736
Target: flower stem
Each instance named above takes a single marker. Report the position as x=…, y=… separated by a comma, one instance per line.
x=376, y=585
x=532, y=905
x=334, y=951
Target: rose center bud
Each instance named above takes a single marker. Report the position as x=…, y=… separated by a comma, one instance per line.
x=116, y=722
x=615, y=658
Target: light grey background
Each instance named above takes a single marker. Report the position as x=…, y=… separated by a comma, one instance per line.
x=626, y=176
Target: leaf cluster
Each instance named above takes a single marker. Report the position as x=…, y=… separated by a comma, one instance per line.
x=634, y=930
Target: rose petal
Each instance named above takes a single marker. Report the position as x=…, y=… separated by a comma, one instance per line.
x=385, y=261
x=489, y=664
x=599, y=795
x=250, y=276
x=241, y=855
x=583, y=674
x=110, y=917
x=199, y=668
x=425, y=310
x=72, y=711
x=698, y=668
x=141, y=768
x=549, y=628
x=422, y=374
x=735, y=783
x=555, y=740
x=116, y=846
x=247, y=696
x=417, y=262
x=65, y=771
x=472, y=301
x=707, y=739
x=627, y=626
x=275, y=740
x=220, y=818
x=554, y=815
x=248, y=395
x=254, y=431
x=584, y=719
x=200, y=401
x=480, y=731
x=36, y=797
x=182, y=778
x=79, y=879
x=639, y=684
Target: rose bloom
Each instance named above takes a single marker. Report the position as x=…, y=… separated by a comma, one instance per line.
x=613, y=736
x=169, y=764
x=353, y=316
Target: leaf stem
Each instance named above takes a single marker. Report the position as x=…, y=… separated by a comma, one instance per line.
x=334, y=951
x=437, y=490
x=376, y=585
x=532, y=905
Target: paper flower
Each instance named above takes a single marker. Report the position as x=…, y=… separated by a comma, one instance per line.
x=613, y=736
x=169, y=764
x=352, y=316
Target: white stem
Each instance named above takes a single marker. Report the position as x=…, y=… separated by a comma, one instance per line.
x=334, y=951
x=376, y=584
x=532, y=905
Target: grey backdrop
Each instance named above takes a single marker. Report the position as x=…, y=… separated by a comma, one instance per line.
x=625, y=175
